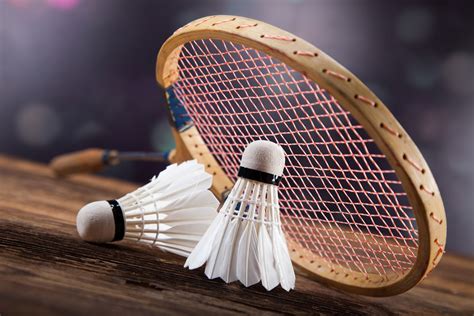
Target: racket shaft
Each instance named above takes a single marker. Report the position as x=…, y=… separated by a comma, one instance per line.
x=95, y=159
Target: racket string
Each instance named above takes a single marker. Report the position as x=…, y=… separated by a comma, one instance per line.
x=340, y=199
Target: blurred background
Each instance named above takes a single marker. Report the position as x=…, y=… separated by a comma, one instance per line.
x=80, y=73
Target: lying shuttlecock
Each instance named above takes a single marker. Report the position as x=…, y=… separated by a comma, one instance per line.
x=172, y=211
x=245, y=241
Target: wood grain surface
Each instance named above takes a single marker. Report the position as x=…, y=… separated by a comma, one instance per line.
x=46, y=269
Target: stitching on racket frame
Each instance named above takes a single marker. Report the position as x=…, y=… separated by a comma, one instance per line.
x=366, y=100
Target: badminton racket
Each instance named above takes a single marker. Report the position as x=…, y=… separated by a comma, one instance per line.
x=360, y=207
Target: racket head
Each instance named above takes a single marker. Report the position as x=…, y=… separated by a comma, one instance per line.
x=351, y=98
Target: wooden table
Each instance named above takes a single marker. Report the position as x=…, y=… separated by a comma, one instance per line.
x=46, y=269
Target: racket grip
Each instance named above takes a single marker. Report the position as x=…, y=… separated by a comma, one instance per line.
x=84, y=161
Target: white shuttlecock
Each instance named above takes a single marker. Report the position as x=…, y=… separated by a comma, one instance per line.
x=245, y=241
x=171, y=212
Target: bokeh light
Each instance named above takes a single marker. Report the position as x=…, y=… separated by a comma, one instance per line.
x=57, y=4
x=422, y=72
x=161, y=136
x=38, y=124
x=63, y=4
x=458, y=73
x=415, y=24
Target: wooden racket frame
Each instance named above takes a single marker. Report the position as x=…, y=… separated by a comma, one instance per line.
x=401, y=152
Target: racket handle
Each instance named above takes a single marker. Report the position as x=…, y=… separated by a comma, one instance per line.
x=85, y=161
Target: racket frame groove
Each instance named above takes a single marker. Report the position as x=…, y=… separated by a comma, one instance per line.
x=365, y=107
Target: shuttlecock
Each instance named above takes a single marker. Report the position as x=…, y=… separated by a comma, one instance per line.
x=171, y=212
x=245, y=241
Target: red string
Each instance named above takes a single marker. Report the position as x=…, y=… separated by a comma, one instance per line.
x=340, y=199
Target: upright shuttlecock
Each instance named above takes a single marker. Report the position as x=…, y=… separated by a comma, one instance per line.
x=245, y=241
x=171, y=212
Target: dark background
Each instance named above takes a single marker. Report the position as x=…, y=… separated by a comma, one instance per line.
x=80, y=73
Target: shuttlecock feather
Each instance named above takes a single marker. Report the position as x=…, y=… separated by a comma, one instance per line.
x=171, y=212
x=245, y=241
